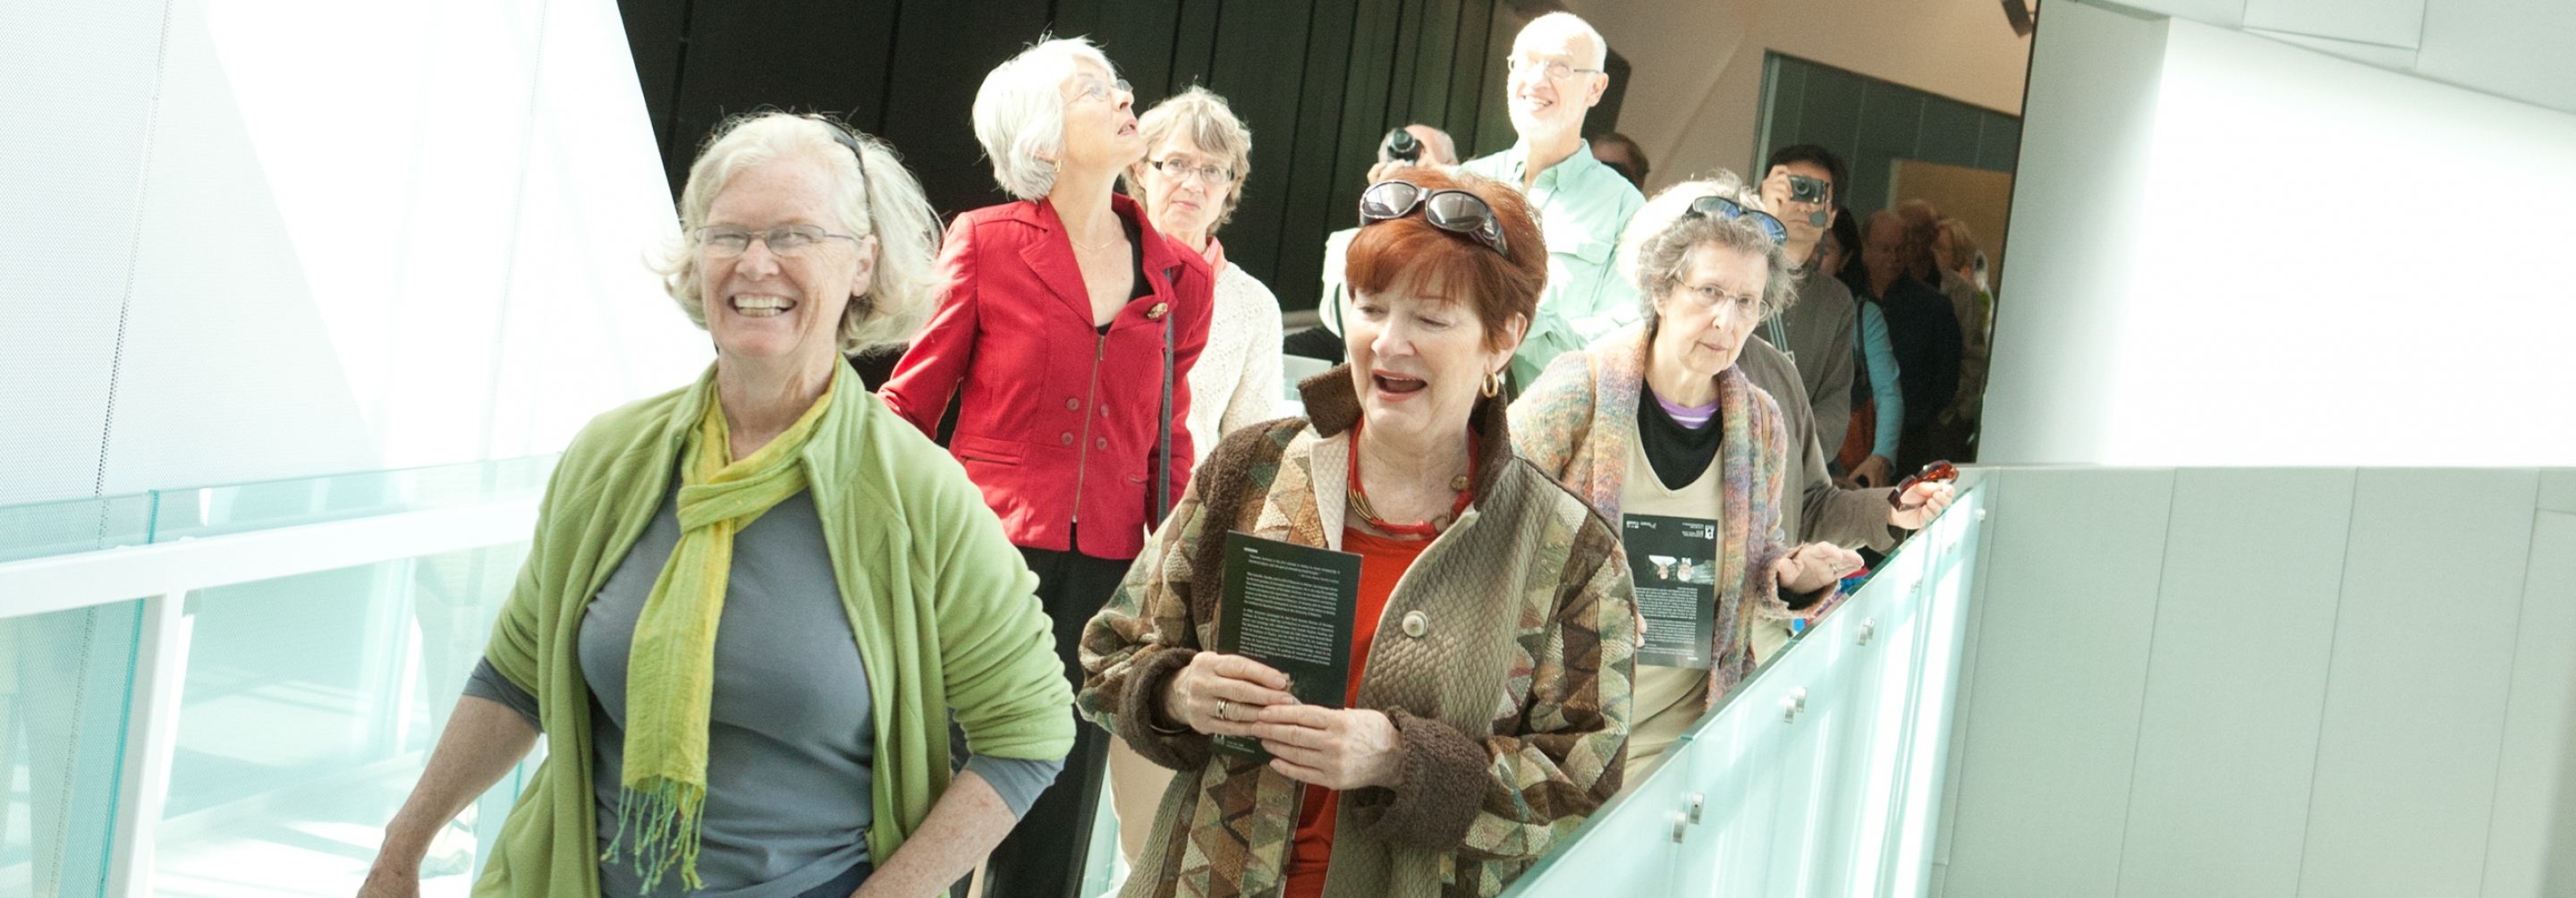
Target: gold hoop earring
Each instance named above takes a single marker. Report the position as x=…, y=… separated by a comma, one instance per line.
x=1493, y=384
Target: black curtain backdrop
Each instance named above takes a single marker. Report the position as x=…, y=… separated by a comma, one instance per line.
x=1319, y=82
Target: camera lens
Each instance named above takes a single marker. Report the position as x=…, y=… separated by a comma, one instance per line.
x=1399, y=144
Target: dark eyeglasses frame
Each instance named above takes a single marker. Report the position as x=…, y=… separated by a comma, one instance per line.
x=1182, y=171
x=1936, y=472
x=1456, y=211
x=1724, y=209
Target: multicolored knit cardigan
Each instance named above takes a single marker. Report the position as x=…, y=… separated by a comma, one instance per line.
x=1576, y=423
x=1510, y=702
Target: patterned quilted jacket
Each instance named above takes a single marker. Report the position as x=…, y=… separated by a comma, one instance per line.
x=1511, y=706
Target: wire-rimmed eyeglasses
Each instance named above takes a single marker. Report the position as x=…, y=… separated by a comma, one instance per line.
x=725, y=241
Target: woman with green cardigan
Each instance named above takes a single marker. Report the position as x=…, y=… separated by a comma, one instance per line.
x=753, y=603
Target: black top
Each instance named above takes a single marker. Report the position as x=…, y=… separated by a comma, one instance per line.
x=1924, y=332
x=1135, y=258
x=1679, y=454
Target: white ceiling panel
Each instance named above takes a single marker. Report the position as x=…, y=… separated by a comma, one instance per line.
x=2390, y=23
x=2399, y=58
x=2229, y=13
x=2517, y=48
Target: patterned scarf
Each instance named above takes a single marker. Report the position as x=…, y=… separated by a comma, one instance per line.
x=670, y=674
x=1737, y=578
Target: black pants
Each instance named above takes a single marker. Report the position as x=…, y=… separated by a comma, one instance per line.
x=1042, y=857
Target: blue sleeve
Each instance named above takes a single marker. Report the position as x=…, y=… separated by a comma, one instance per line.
x=1884, y=387
x=1017, y=780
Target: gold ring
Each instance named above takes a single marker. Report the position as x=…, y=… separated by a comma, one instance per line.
x=1221, y=705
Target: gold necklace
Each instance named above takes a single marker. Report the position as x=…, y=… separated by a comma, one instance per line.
x=1358, y=501
x=1077, y=244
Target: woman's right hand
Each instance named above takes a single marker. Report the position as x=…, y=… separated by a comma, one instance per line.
x=1215, y=682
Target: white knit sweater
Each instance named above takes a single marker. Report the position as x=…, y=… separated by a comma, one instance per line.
x=1237, y=379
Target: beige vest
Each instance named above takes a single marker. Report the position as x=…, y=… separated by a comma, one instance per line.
x=1665, y=701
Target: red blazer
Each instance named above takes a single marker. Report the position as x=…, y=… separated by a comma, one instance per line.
x=1057, y=420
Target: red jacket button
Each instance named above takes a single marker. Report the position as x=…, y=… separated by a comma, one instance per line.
x=1066, y=438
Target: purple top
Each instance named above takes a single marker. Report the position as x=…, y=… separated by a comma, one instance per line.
x=1690, y=416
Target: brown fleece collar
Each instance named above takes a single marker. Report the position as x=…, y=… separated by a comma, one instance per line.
x=1333, y=406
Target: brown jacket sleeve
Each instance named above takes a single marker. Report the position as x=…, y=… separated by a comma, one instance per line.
x=1141, y=638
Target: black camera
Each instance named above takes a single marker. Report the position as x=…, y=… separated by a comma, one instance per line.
x=1807, y=190
x=1399, y=146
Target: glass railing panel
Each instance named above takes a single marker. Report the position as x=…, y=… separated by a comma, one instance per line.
x=309, y=706
x=235, y=508
x=44, y=529
x=1908, y=865
x=1836, y=798
x=64, y=681
x=1754, y=833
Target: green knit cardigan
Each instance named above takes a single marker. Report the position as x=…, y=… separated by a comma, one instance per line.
x=943, y=609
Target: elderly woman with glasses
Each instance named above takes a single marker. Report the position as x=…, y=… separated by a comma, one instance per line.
x=1658, y=428
x=753, y=604
x=1068, y=336
x=1198, y=154
x=1487, y=694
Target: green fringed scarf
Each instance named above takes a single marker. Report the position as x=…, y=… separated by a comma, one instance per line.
x=670, y=673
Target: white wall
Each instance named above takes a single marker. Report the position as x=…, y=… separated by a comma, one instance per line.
x=1694, y=95
x=246, y=241
x=2233, y=251
x=2268, y=683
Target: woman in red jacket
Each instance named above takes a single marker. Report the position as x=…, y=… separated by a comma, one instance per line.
x=1068, y=334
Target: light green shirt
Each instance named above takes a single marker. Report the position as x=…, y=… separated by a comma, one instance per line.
x=1582, y=206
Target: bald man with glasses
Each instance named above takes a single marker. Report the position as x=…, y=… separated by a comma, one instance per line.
x=1556, y=75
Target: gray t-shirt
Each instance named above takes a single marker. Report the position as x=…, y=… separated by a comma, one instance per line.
x=793, y=730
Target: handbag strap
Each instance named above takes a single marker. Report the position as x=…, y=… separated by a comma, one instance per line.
x=1163, y=478
x=1163, y=447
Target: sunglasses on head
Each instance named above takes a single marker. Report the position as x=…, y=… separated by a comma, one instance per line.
x=1936, y=472
x=1455, y=211
x=1724, y=209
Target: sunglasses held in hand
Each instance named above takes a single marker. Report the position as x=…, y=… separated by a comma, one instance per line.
x=1936, y=472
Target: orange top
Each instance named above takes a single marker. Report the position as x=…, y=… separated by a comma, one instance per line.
x=1383, y=561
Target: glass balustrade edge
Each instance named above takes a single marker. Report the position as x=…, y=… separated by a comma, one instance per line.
x=71, y=526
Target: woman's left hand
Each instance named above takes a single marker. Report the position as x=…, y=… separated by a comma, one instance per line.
x=1813, y=566
x=1336, y=748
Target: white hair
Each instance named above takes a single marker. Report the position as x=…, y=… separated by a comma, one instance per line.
x=1019, y=112
x=876, y=198
x=1654, y=252
x=1570, y=21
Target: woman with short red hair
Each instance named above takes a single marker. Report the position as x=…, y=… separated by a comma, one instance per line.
x=1488, y=691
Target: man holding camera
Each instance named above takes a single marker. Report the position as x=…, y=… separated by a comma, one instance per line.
x=1556, y=75
x=1816, y=331
x=1409, y=145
